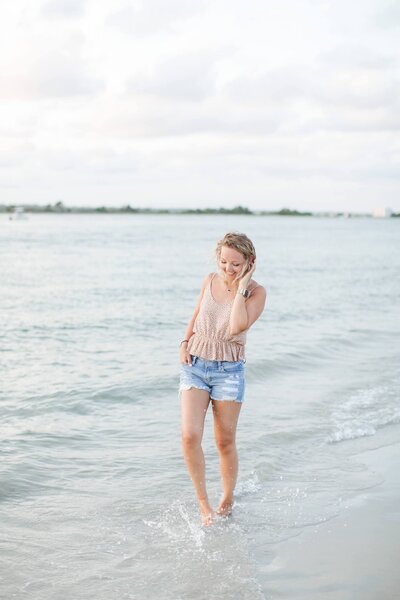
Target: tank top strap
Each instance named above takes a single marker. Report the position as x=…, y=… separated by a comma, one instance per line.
x=209, y=288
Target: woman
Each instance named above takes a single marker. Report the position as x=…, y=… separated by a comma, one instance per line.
x=212, y=364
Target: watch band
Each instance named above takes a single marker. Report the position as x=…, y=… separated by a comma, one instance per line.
x=244, y=292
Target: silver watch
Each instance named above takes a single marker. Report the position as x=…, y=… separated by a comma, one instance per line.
x=244, y=292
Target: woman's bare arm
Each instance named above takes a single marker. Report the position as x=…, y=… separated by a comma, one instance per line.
x=184, y=354
x=245, y=312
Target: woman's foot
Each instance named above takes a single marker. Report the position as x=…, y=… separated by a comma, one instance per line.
x=225, y=507
x=207, y=513
x=208, y=519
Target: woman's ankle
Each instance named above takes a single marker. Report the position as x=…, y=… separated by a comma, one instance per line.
x=202, y=499
x=227, y=499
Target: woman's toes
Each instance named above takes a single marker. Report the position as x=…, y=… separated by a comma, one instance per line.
x=208, y=519
x=225, y=509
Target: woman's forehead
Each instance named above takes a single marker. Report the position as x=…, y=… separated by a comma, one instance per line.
x=231, y=253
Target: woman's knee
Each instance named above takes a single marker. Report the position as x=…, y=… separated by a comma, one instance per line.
x=225, y=443
x=190, y=439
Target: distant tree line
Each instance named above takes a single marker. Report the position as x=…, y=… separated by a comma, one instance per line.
x=60, y=207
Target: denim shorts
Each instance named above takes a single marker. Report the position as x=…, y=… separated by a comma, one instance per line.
x=222, y=379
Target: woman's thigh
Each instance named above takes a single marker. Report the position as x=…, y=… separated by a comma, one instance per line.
x=226, y=416
x=194, y=405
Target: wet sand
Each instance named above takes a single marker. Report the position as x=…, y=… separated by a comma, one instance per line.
x=354, y=556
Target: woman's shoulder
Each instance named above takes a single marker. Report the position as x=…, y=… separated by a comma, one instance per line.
x=254, y=285
x=208, y=278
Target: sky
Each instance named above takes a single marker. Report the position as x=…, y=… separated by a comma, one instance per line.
x=201, y=103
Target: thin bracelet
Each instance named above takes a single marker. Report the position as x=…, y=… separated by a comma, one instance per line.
x=183, y=342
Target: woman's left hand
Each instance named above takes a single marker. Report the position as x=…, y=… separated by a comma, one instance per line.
x=244, y=282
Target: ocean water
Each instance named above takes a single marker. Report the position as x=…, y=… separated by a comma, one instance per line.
x=95, y=501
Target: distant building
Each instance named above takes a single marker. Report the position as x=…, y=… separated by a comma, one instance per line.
x=382, y=213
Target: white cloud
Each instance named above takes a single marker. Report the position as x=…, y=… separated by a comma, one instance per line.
x=263, y=103
x=388, y=16
x=35, y=68
x=189, y=78
x=63, y=8
x=152, y=16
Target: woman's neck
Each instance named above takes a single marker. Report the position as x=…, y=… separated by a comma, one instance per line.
x=231, y=285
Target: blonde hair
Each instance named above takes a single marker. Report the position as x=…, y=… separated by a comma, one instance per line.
x=241, y=243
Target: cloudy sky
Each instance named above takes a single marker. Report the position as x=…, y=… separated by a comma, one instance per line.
x=166, y=103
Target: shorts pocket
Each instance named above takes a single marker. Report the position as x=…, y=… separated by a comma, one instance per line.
x=232, y=367
x=186, y=366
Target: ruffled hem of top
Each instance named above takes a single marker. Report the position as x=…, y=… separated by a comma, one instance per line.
x=213, y=349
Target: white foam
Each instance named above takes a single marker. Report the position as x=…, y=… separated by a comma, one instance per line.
x=365, y=411
x=176, y=522
x=249, y=486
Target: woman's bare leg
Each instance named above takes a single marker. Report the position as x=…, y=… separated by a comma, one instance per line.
x=226, y=415
x=194, y=404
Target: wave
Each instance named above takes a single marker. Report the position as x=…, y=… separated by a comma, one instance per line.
x=366, y=411
x=283, y=356
x=300, y=359
x=85, y=399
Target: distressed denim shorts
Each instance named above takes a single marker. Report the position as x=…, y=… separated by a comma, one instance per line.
x=222, y=379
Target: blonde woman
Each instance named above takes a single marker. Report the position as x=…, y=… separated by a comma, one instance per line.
x=212, y=365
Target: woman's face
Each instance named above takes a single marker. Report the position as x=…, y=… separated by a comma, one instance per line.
x=231, y=262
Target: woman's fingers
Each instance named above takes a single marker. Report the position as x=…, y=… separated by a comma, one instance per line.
x=253, y=268
x=187, y=359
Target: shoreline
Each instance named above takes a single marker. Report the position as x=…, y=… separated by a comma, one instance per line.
x=353, y=556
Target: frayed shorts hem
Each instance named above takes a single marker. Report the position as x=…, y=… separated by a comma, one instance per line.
x=227, y=400
x=191, y=387
x=185, y=388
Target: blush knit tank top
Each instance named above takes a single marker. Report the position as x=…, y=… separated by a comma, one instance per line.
x=211, y=339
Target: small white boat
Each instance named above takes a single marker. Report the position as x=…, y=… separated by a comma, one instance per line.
x=18, y=214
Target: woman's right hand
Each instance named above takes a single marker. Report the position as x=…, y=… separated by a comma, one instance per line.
x=184, y=355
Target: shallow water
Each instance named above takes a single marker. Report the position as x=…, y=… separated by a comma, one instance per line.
x=95, y=499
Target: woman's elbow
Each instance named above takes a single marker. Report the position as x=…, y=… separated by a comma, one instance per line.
x=236, y=329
